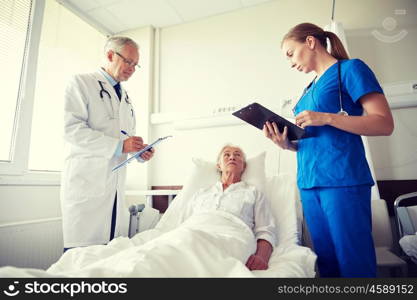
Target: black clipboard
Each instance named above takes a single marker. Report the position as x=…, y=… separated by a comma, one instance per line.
x=257, y=115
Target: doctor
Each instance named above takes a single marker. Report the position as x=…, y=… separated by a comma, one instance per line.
x=97, y=109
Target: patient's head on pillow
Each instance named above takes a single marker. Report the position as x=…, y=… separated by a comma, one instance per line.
x=231, y=163
x=205, y=173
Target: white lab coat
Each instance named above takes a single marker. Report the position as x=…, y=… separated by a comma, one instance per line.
x=88, y=185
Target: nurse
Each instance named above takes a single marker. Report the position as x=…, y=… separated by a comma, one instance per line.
x=99, y=132
x=343, y=102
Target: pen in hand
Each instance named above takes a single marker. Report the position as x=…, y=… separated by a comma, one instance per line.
x=132, y=143
x=126, y=134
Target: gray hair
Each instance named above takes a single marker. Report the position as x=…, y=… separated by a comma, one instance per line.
x=219, y=156
x=116, y=43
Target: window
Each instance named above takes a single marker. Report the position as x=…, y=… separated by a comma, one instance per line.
x=14, y=32
x=67, y=46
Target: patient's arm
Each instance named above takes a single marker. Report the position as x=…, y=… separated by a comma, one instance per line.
x=259, y=260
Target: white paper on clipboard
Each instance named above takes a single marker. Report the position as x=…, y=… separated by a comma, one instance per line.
x=139, y=153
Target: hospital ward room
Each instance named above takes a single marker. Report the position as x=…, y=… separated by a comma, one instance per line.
x=208, y=138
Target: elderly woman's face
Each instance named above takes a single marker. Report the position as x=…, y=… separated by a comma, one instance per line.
x=232, y=160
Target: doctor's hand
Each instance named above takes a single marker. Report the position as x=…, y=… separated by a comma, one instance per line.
x=132, y=144
x=147, y=155
x=271, y=131
x=256, y=262
x=312, y=118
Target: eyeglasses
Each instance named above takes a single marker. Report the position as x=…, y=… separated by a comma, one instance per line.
x=127, y=61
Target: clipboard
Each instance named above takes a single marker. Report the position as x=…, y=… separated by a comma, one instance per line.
x=139, y=153
x=257, y=115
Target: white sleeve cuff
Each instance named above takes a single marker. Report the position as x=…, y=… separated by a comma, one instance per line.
x=267, y=236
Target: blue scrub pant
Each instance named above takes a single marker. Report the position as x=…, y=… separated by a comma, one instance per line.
x=340, y=223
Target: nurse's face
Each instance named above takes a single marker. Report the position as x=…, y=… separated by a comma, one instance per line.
x=123, y=63
x=232, y=160
x=300, y=55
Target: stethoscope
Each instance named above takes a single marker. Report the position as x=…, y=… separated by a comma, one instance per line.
x=104, y=91
x=341, y=112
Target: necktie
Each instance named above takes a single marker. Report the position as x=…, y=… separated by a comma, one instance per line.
x=118, y=90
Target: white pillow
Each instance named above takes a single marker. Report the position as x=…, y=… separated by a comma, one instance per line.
x=282, y=193
x=205, y=174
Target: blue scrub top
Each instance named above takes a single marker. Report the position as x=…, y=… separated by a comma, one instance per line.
x=332, y=157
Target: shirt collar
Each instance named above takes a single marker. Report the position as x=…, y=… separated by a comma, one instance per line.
x=108, y=77
x=219, y=186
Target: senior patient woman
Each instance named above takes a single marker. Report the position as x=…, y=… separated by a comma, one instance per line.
x=232, y=195
x=334, y=178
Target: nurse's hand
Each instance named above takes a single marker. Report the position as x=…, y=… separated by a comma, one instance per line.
x=271, y=131
x=312, y=118
x=132, y=144
x=147, y=155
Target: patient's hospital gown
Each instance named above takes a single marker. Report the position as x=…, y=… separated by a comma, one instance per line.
x=240, y=199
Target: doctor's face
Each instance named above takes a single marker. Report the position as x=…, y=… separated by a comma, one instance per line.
x=299, y=54
x=122, y=64
x=231, y=159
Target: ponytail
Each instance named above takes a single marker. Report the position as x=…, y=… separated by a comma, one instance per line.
x=337, y=50
x=303, y=30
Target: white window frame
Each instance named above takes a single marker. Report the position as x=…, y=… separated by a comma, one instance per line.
x=15, y=172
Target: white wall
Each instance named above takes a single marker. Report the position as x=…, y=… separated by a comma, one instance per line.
x=394, y=157
x=23, y=203
x=62, y=53
x=232, y=60
x=391, y=62
x=37, y=244
x=33, y=201
x=58, y=39
x=228, y=60
x=140, y=90
x=235, y=59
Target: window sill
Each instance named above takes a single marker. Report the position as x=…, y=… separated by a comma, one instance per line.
x=41, y=178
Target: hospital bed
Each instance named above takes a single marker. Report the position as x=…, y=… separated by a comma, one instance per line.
x=289, y=258
x=174, y=248
x=142, y=218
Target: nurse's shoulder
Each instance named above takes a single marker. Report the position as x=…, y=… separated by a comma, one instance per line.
x=354, y=65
